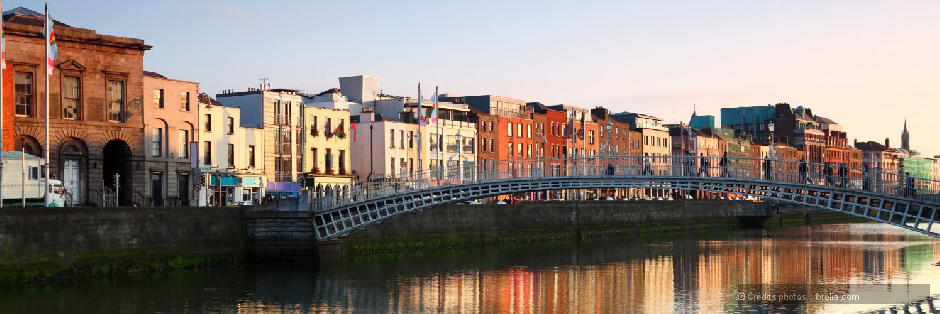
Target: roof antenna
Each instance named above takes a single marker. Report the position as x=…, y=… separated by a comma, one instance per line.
x=264, y=83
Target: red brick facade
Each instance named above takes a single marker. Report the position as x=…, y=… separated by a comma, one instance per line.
x=9, y=129
x=92, y=144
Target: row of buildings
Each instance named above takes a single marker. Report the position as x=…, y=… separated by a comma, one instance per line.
x=163, y=141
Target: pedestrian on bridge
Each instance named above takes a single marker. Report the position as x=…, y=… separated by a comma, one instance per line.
x=866, y=181
x=703, y=171
x=767, y=168
x=910, y=189
x=843, y=175
x=647, y=168
x=723, y=164
x=804, y=172
x=827, y=170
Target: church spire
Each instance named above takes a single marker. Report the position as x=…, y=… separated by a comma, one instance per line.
x=905, y=137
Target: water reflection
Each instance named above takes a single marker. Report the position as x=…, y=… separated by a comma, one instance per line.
x=687, y=274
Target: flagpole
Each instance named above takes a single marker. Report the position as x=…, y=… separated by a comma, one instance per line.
x=3, y=66
x=420, y=138
x=48, y=69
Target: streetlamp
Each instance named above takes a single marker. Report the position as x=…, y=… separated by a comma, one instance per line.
x=771, y=151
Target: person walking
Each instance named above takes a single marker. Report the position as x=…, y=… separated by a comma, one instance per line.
x=866, y=182
x=804, y=171
x=843, y=175
x=723, y=164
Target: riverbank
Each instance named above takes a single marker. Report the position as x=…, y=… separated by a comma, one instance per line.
x=46, y=244
x=464, y=226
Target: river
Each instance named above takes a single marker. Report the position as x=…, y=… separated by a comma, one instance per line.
x=701, y=273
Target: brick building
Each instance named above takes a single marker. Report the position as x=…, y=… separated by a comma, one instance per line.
x=170, y=126
x=95, y=105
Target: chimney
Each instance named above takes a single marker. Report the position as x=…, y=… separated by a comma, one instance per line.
x=887, y=143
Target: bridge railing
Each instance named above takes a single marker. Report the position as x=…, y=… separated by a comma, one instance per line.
x=892, y=182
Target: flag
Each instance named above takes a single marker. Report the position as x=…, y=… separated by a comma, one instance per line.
x=569, y=127
x=340, y=128
x=419, y=107
x=581, y=131
x=352, y=126
x=434, y=111
x=53, y=51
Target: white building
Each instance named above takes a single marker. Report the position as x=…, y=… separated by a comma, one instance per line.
x=393, y=144
x=384, y=148
x=230, y=157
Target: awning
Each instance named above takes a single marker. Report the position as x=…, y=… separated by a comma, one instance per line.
x=226, y=180
x=284, y=187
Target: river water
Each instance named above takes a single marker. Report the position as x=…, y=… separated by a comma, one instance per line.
x=701, y=273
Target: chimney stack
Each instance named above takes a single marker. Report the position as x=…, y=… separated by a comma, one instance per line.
x=887, y=143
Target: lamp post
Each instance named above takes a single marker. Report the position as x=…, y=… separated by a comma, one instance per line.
x=771, y=151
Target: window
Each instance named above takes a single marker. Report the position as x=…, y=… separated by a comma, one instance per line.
x=411, y=139
x=156, y=142
x=115, y=101
x=251, y=155
x=519, y=146
x=401, y=138
x=528, y=130
x=231, y=125
x=342, y=161
x=24, y=93
x=391, y=166
x=484, y=146
x=391, y=142
x=34, y=173
x=510, y=149
x=491, y=126
x=71, y=97
x=184, y=101
x=184, y=143
x=313, y=127
x=492, y=147
x=208, y=121
x=519, y=130
x=158, y=98
x=328, y=160
x=313, y=152
x=207, y=153
x=528, y=152
x=231, y=155
x=509, y=129
x=284, y=142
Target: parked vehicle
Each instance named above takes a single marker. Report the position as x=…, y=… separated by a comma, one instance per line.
x=23, y=180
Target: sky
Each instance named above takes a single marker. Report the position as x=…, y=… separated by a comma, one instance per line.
x=866, y=64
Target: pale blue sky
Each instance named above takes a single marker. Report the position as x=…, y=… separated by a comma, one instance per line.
x=866, y=64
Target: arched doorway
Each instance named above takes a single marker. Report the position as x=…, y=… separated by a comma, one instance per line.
x=73, y=155
x=116, y=161
x=29, y=145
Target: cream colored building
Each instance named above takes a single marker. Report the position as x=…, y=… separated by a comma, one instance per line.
x=170, y=126
x=326, y=155
x=279, y=113
x=231, y=163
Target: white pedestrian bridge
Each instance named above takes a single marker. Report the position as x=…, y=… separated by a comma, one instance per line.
x=899, y=198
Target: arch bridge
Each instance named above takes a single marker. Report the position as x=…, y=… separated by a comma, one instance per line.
x=900, y=199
